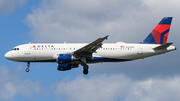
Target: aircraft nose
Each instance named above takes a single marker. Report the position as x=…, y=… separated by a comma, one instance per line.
x=7, y=55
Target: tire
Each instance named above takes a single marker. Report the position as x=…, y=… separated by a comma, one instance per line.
x=27, y=69
x=86, y=67
x=85, y=72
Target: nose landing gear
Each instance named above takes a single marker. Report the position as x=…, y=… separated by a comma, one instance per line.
x=28, y=65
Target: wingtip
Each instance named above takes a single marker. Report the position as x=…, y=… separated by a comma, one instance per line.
x=106, y=37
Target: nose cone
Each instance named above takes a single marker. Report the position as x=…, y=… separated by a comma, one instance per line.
x=7, y=55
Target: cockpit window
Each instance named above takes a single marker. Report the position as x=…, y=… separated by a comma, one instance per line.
x=15, y=49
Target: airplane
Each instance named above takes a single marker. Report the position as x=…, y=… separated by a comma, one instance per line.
x=71, y=55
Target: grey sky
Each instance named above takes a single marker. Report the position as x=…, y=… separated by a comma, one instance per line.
x=7, y=6
x=58, y=21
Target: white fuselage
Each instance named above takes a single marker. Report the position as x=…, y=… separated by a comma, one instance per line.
x=109, y=52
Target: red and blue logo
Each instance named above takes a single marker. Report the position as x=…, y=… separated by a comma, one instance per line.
x=160, y=33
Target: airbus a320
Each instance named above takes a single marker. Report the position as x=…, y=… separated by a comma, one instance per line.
x=70, y=55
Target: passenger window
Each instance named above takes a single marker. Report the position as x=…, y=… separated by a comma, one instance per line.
x=17, y=48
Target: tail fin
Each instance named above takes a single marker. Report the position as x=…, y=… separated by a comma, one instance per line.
x=160, y=33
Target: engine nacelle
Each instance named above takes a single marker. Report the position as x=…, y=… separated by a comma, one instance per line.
x=65, y=58
x=63, y=67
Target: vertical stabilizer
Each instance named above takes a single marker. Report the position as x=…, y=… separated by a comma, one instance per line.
x=160, y=33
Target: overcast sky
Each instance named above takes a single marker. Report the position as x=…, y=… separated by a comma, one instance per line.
x=150, y=79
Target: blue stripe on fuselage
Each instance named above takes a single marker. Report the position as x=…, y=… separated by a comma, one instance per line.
x=102, y=59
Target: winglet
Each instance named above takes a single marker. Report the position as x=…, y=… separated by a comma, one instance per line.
x=106, y=37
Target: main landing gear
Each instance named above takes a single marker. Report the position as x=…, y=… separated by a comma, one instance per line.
x=85, y=71
x=85, y=66
x=28, y=64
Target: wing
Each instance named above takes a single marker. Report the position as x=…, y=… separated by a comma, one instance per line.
x=87, y=50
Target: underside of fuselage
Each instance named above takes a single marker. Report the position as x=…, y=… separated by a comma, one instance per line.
x=94, y=60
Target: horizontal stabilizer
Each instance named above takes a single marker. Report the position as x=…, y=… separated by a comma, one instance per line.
x=164, y=46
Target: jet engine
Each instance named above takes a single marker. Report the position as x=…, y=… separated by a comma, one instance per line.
x=64, y=67
x=65, y=58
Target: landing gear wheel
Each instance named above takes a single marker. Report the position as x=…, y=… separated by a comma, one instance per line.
x=86, y=67
x=27, y=69
x=85, y=71
x=28, y=65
